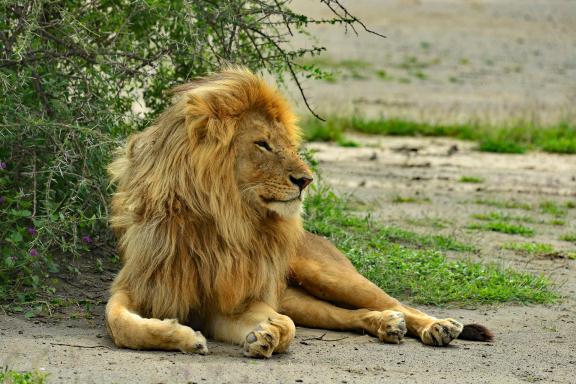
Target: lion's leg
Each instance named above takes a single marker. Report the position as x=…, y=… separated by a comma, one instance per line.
x=259, y=329
x=306, y=310
x=327, y=274
x=130, y=330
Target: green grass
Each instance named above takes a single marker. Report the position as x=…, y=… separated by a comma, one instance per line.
x=409, y=199
x=513, y=138
x=571, y=237
x=503, y=227
x=553, y=208
x=529, y=248
x=500, y=216
x=329, y=132
x=387, y=256
x=14, y=377
x=433, y=222
x=507, y=204
x=471, y=179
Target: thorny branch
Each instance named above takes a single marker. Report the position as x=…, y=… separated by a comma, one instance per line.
x=237, y=26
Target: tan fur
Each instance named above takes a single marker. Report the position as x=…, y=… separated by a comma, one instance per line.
x=207, y=218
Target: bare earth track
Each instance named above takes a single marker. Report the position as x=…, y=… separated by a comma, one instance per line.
x=506, y=58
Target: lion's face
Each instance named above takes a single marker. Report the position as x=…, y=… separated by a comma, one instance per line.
x=270, y=174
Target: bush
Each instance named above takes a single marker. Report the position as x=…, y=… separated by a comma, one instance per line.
x=77, y=77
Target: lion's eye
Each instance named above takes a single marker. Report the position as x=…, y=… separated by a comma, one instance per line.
x=264, y=145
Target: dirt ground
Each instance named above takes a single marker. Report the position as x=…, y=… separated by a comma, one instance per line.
x=533, y=343
x=451, y=60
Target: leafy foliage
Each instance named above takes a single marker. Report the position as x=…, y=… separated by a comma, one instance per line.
x=77, y=77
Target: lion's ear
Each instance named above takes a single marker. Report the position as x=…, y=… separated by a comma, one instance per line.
x=211, y=115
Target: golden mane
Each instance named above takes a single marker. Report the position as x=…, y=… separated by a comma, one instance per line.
x=189, y=244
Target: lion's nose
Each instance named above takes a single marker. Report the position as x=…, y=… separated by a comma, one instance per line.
x=302, y=181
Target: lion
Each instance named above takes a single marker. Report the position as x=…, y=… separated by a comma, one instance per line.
x=207, y=213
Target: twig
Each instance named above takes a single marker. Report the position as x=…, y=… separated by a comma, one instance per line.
x=321, y=338
x=290, y=68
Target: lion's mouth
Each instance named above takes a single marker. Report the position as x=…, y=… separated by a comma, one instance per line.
x=269, y=200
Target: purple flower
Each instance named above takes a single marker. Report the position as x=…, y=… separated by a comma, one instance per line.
x=2, y=199
x=2, y=165
x=87, y=239
x=34, y=252
x=31, y=231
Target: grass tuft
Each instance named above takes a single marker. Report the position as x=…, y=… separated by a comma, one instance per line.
x=571, y=237
x=503, y=227
x=529, y=248
x=424, y=274
x=409, y=199
x=553, y=209
x=508, y=204
x=471, y=179
x=499, y=216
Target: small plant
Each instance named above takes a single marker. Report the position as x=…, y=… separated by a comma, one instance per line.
x=509, y=204
x=471, y=179
x=571, y=237
x=437, y=223
x=529, y=248
x=504, y=227
x=501, y=146
x=409, y=199
x=553, y=209
x=499, y=216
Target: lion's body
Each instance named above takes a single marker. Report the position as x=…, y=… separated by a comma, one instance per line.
x=206, y=215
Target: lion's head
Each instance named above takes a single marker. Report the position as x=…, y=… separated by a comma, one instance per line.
x=226, y=148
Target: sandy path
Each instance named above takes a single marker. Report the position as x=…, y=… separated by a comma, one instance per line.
x=453, y=60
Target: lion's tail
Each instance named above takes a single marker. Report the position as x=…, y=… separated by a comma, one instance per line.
x=130, y=330
x=476, y=332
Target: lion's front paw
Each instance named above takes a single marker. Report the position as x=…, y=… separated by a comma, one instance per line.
x=388, y=326
x=274, y=335
x=441, y=332
x=191, y=341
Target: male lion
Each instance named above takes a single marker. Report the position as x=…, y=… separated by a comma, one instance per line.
x=207, y=215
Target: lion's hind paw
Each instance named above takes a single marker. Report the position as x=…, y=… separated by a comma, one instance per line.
x=441, y=332
x=388, y=326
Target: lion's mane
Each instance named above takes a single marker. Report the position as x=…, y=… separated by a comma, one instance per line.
x=189, y=243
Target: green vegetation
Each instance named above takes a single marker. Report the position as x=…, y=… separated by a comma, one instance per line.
x=14, y=377
x=515, y=138
x=553, y=208
x=471, y=179
x=333, y=70
x=409, y=199
x=433, y=222
x=571, y=237
x=73, y=75
x=424, y=274
x=537, y=249
x=508, y=204
x=499, y=216
x=503, y=227
x=318, y=131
